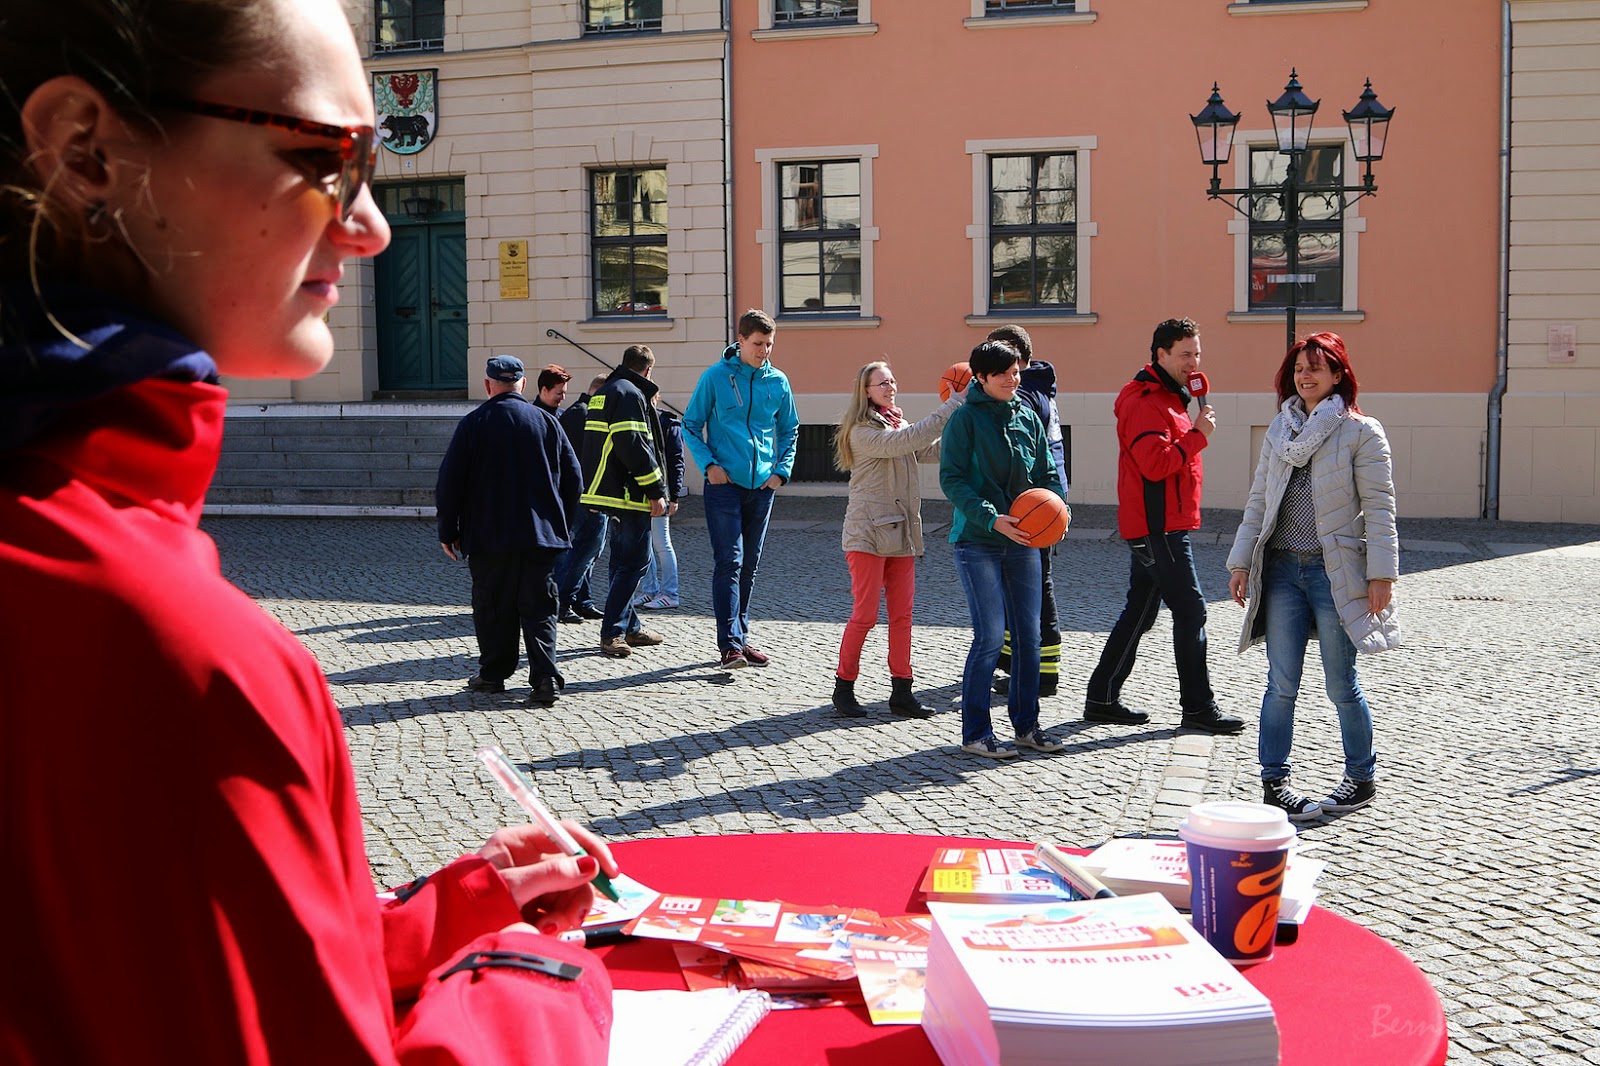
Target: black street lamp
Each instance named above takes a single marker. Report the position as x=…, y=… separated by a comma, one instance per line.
x=1292, y=116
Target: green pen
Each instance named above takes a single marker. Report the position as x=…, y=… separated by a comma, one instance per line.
x=522, y=791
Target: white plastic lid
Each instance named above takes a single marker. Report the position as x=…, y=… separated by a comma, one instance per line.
x=1229, y=823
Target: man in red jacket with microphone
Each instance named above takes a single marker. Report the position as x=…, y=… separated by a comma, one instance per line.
x=1158, y=503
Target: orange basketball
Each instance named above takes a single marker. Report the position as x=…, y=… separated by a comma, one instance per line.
x=1041, y=516
x=955, y=380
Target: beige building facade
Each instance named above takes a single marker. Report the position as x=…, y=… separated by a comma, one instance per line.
x=550, y=126
x=1550, y=448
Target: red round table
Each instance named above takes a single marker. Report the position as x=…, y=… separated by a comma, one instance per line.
x=1342, y=994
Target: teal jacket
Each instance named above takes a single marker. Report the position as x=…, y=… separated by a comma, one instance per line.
x=743, y=420
x=992, y=452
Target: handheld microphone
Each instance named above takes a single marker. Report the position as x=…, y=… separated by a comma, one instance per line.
x=1198, y=385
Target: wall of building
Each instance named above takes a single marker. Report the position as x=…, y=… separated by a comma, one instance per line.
x=527, y=107
x=929, y=87
x=1551, y=445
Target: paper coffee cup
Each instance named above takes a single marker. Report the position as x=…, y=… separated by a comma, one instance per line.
x=1238, y=854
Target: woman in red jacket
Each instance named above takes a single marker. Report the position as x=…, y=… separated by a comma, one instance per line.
x=183, y=184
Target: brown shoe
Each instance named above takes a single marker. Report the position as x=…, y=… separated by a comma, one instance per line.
x=616, y=648
x=644, y=638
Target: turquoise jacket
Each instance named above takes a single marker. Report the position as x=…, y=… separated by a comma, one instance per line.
x=743, y=420
x=992, y=452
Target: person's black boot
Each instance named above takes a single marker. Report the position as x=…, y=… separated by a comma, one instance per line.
x=844, y=699
x=903, y=701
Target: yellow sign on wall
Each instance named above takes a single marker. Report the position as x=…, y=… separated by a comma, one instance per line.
x=513, y=270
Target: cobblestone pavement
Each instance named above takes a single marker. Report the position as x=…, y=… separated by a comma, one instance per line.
x=1478, y=858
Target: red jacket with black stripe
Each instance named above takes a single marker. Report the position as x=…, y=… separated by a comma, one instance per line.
x=185, y=874
x=1159, y=474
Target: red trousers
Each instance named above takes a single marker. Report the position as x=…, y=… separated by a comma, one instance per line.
x=872, y=577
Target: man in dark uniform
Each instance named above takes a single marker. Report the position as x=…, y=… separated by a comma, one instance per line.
x=507, y=493
x=622, y=478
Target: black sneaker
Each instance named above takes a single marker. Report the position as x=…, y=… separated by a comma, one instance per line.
x=477, y=683
x=1350, y=795
x=1212, y=720
x=1113, y=712
x=1002, y=685
x=1281, y=794
x=544, y=692
x=569, y=616
x=589, y=611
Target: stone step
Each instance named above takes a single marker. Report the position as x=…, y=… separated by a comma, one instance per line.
x=317, y=460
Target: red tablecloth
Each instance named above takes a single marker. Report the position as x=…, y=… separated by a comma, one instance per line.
x=1342, y=994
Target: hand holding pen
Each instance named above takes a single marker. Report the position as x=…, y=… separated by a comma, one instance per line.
x=549, y=865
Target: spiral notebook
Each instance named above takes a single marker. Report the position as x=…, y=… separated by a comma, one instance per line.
x=672, y=1028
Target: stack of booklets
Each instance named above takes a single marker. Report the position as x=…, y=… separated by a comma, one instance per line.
x=1111, y=981
x=992, y=875
x=799, y=953
x=1131, y=864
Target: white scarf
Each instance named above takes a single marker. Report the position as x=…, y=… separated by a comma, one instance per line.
x=1301, y=435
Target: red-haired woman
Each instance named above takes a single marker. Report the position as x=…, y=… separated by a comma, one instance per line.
x=1317, y=554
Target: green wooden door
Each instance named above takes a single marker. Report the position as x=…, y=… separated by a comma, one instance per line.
x=447, y=303
x=422, y=293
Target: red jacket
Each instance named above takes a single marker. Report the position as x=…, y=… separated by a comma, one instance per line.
x=185, y=878
x=1159, y=474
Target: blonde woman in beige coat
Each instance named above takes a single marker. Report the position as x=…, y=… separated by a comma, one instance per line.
x=882, y=527
x=1317, y=555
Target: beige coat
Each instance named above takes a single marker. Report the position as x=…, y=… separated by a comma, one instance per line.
x=1352, y=488
x=884, y=514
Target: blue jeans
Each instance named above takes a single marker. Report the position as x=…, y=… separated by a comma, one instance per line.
x=572, y=569
x=1162, y=571
x=1297, y=601
x=661, y=577
x=1002, y=584
x=630, y=551
x=736, y=520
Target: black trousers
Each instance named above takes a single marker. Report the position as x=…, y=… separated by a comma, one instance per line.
x=514, y=593
x=1161, y=571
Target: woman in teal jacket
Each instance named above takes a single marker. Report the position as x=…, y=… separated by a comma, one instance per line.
x=995, y=449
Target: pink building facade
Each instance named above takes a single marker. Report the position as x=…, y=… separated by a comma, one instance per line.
x=906, y=176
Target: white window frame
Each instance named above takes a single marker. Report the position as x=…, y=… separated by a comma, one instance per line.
x=767, y=28
x=1239, y=226
x=978, y=231
x=1293, y=7
x=980, y=19
x=767, y=237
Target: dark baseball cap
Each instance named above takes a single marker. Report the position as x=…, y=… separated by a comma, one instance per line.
x=504, y=368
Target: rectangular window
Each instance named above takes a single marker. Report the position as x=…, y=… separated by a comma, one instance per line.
x=410, y=26
x=819, y=236
x=622, y=16
x=1033, y=232
x=629, y=238
x=1317, y=267
x=804, y=12
x=1029, y=7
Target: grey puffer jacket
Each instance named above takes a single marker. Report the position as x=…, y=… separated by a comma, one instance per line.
x=884, y=512
x=1352, y=487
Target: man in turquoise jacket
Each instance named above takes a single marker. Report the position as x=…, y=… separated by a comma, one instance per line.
x=741, y=428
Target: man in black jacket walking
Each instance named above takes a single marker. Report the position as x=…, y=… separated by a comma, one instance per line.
x=506, y=496
x=623, y=478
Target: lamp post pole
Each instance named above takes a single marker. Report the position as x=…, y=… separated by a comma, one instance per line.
x=1292, y=116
